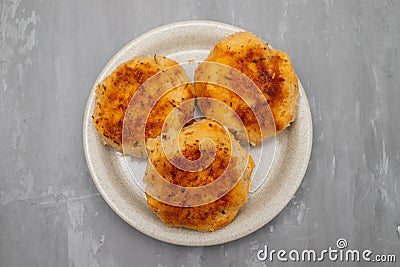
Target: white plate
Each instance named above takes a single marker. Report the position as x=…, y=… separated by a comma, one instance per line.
x=183, y=41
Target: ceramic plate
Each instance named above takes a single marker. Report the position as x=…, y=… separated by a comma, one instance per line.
x=112, y=173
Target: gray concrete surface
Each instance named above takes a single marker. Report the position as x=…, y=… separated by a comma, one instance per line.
x=346, y=54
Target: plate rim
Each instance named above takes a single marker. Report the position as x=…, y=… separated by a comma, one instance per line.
x=94, y=176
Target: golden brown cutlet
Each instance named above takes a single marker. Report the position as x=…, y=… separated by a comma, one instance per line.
x=270, y=70
x=213, y=215
x=114, y=94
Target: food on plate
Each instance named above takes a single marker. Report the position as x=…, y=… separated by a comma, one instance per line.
x=269, y=69
x=198, y=175
x=205, y=197
x=114, y=94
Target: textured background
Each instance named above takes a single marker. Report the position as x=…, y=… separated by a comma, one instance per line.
x=346, y=54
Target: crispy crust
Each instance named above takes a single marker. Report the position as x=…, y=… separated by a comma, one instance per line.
x=214, y=215
x=114, y=94
x=268, y=68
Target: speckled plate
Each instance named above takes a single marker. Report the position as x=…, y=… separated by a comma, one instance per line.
x=183, y=41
